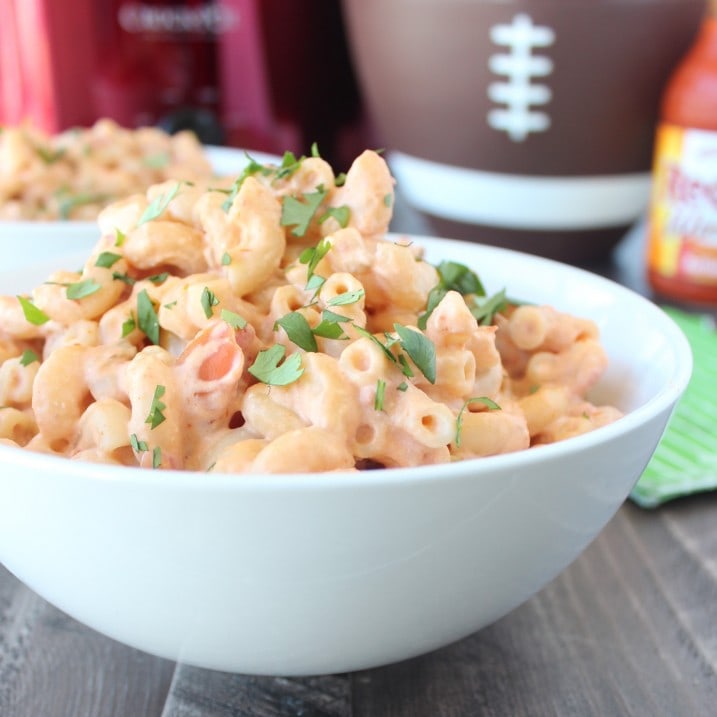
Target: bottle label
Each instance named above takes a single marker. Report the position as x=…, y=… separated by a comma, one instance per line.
x=683, y=214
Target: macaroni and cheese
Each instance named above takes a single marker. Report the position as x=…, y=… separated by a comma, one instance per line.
x=73, y=175
x=271, y=326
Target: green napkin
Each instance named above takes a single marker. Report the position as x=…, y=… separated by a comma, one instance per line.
x=686, y=458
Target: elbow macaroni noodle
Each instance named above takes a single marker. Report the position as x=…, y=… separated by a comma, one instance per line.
x=271, y=327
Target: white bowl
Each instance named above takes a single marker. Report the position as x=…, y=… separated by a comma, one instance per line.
x=24, y=242
x=308, y=574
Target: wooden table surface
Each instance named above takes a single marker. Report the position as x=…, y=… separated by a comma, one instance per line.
x=630, y=628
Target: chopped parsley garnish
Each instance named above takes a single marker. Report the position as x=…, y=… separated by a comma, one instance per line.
x=269, y=368
x=137, y=445
x=311, y=257
x=156, y=457
x=158, y=279
x=403, y=386
x=330, y=326
x=485, y=311
x=298, y=330
x=380, y=394
x=488, y=402
x=107, y=259
x=233, y=319
x=32, y=313
x=128, y=326
x=289, y=165
x=340, y=179
x=253, y=167
x=420, y=349
x=66, y=202
x=81, y=289
x=348, y=297
x=157, y=206
x=226, y=259
x=155, y=416
x=28, y=357
x=299, y=213
x=341, y=214
x=120, y=237
x=156, y=161
x=452, y=276
x=126, y=278
x=208, y=301
x=147, y=320
x=49, y=156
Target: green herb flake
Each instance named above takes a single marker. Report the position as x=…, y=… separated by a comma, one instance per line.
x=315, y=150
x=66, y=203
x=380, y=394
x=156, y=416
x=158, y=279
x=137, y=445
x=403, y=386
x=406, y=369
x=488, y=402
x=299, y=213
x=329, y=329
x=313, y=255
x=125, y=278
x=367, y=334
x=208, y=301
x=348, y=297
x=28, y=357
x=128, y=326
x=340, y=179
x=120, y=237
x=107, y=259
x=34, y=315
x=233, y=319
x=289, y=165
x=341, y=214
x=81, y=289
x=158, y=205
x=147, y=320
x=388, y=200
x=298, y=330
x=269, y=368
x=253, y=167
x=315, y=283
x=49, y=156
x=420, y=349
x=485, y=311
x=156, y=161
x=226, y=259
x=452, y=276
x=156, y=457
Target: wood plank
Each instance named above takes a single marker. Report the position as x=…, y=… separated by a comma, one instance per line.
x=51, y=666
x=206, y=693
x=628, y=629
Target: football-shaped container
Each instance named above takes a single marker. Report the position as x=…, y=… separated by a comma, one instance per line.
x=523, y=123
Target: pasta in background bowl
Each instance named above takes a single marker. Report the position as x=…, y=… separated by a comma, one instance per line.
x=24, y=240
x=229, y=567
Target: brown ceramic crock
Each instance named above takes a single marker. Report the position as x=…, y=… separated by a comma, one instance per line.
x=521, y=123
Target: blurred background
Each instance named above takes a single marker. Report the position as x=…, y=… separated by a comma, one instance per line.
x=522, y=123
x=264, y=74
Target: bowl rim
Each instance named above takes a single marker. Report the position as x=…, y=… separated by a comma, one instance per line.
x=665, y=399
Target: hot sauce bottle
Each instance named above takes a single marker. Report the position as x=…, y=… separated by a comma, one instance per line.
x=682, y=241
